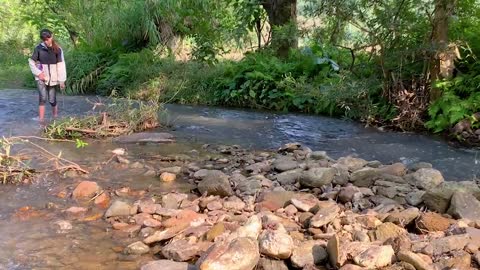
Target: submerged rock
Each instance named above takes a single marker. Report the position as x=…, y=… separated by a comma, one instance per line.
x=120, y=208
x=146, y=137
x=85, y=190
x=137, y=248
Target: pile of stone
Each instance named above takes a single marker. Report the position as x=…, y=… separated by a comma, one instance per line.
x=300, y=209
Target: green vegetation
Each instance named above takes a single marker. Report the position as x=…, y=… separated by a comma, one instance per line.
x=408, y=64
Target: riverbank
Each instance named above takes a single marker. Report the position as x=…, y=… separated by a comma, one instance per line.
x=176, y=206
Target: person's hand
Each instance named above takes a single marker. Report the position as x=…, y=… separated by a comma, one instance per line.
x=41, y=76
x=62, y=85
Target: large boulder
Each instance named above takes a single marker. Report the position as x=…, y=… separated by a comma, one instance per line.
x=438, y=198
x=464, y=205
x=214, y=183
x=426, y=178
x=239, y=254
x=317, y=177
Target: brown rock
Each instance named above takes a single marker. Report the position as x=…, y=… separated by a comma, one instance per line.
x=398, y=169
x=121, y=208
x=386, y=231
x=166, y=264
x=234, y=203
x=272, y=201
x=137, y=248
x=347, y=194
x=375, y=257
x=75, y=212
x=351, y=267
x=404, y=217
x=216, y=230
x=460, y=260
x=103, y=200
x=185, y=216
x=238, y=254
x=433, y=222
x=165, y=234
x=85, y=190
x=214, y=205
x=368, y=221
x=290, y=210
x=305, y=202
x=327, y=212
x=308, y=252
x=277, y=244
x=352, y=163
x=168, y=177
x=400, y=243
x=449, y=243
x=268, y=264
x=333, y=251
x=182, y=250
x=413, y=259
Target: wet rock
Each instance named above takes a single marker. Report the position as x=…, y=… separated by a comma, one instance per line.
x=305, y=202
x=102, y=201
x=375, y=257
x=130, y=229
x=120, y=208
x=284, y=164
x=122, y=160
x=308, y=252
x=174, y=170
x=76, y=212
x=464, y=205
x=460, y=260
x=365, y=177
x=63, y=226
x=317, y=177
x=182, y=250
x=327, y=212
x=146, y=137
x=215, y=183
x=414, y=198
x=167, y=264
x=268, y=264
x=234, y=203
x=413, y=259
x=289, y=177
x=426, y=178
x=238, y=254
x=386, y=231
x=137, y=248
x=398, y=169
x=438, y=199
x=168, y=177
x=352, y=163
x=449, y=243
x=251, y=185
x=277, y=244
x=85, y=190
x=404, y=217
x=258, y=167
x=433, y=222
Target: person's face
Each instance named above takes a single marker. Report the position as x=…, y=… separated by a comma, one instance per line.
x=47, y=39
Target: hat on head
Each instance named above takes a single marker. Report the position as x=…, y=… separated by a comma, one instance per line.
x=45, y=33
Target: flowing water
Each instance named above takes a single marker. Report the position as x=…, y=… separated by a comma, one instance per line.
x=29, y=238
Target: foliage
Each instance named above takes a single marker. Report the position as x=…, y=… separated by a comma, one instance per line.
x=460, y=100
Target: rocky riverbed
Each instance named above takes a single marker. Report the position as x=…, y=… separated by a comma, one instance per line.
x=291, y=209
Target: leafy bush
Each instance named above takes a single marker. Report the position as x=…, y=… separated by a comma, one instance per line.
x=460, y=100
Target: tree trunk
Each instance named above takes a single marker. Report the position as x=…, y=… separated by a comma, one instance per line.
x=282, y=16
x=443, y=55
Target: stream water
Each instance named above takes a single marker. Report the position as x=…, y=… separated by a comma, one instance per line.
x=28, y=235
